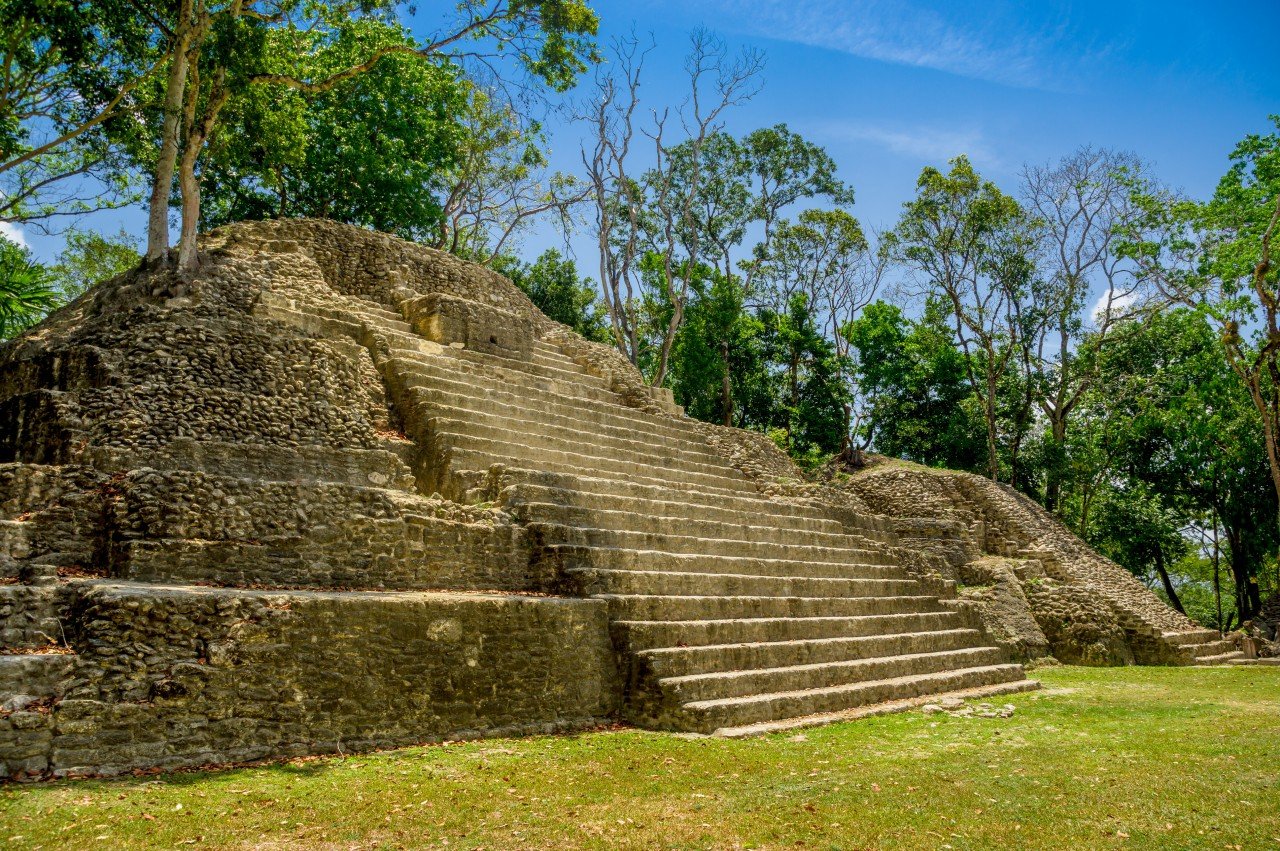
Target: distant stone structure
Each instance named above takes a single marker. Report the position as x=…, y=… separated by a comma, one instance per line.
x=338, y=492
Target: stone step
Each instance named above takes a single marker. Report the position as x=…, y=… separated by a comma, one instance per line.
x=593, y=581
x=709, y=716
x=685, y=520
x=649, y=454
x=615, y=558
x=441, y=383
x=873, y=710
x=540, y=365
x=660, y=502
x=1192, y=636
x=1266, y=661
x=647, y=635
x=466, y=452
x=725, y=684
x=424, y=395
x=491, y=369
x=656, y=607
x=595, y=424
x=664, y=662
x=557, y=358
x=1226, y=658
x=556, y=533
x=1211, y=648
x=481, y=468
x=585, y=487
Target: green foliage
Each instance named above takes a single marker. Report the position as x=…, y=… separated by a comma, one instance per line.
x=375, y=151
x=1138, y=530
x=89, y=258
x=27, y=289
x=719, y=342
x=66, y=65
x=811, y=395
x=914, y=380
x=551, y=282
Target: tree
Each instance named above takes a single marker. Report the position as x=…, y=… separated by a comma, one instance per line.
x=673, y=185
x=222, y=52
x=72, y=72
x=374, y=151
x=650, y=217
x=1138, y=531
x=718, y=367
x=970, y=245
x=1084, y=206
x=27, y=290
x=814, y=396
x=1216, y=256
x=1188, y=436
x=823, y=257
x=553, y=285
x=783, y=169
x=913, y=380
x=89, y=257
x=499, y=183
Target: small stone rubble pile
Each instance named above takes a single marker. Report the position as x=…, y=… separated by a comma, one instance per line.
x=958, y=708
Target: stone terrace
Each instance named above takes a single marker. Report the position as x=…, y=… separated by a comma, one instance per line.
x=339, y=492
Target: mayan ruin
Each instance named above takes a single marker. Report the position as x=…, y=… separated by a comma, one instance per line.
x=697, y=425
x=343, y=492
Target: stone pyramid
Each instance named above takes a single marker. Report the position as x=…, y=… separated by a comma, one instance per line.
x=336, y=491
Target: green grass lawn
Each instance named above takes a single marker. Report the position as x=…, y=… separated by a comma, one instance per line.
x=1136, y=757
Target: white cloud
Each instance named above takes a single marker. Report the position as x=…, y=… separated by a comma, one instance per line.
x=929, y=145
x=901, y=33
x=14, y=234
x=1120, y=304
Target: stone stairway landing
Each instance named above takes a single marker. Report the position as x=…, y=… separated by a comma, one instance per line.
x=728, y=609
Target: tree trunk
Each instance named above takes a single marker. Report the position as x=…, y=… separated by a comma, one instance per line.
x=1168, y=585
x=189, y=186
x=989, y=409
x=1248, y=600
x=1053, y=476
x=1217, y=575
x=170, y=137
x=726, y=384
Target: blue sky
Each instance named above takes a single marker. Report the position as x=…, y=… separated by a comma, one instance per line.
x=889, y=86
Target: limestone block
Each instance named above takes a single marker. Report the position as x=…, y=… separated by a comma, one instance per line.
x=447, y=320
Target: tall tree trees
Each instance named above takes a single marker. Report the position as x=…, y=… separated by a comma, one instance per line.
x=969, y=244
x=72, y=72
x=915, y=388
x=1217, y=256
x=823, y=258
x=375, y=150
x=219, y=52
x=1084, y=207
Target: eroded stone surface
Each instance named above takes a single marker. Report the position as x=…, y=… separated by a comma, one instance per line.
x=238, y=513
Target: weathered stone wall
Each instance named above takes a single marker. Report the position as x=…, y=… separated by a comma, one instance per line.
x=222, y=535
x=208, y=443
x=1083, y=604
x=174, y=677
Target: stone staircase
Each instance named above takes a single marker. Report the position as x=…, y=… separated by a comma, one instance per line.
x=1153, y=642
x=727, y=609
